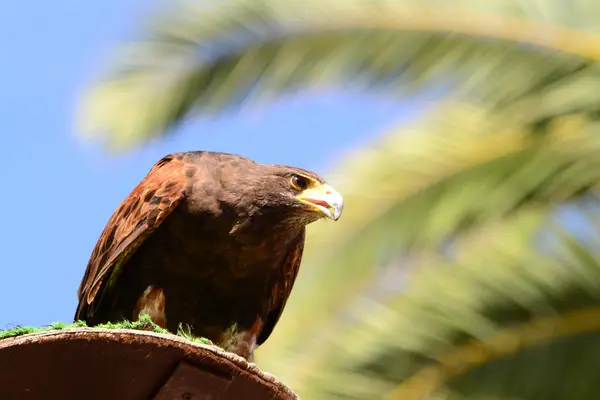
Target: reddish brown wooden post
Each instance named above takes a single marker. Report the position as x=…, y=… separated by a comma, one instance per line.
x=92, y=363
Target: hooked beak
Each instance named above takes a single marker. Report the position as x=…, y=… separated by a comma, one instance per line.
x=323, y=199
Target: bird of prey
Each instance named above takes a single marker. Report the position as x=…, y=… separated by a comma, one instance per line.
x=209, y=241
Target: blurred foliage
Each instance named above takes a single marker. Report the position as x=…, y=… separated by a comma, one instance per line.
x=450, y=275
x=476, y=203
x=460, y=189
x=194, y=57
x=504, y=321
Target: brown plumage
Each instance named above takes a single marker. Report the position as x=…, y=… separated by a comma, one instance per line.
x=209, y=241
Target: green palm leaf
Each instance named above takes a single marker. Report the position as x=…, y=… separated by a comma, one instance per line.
x=196, y=58
x=431, y=182
x=506, y=322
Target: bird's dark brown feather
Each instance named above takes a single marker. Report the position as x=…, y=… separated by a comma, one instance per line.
x=138, y=216
x=283, y=287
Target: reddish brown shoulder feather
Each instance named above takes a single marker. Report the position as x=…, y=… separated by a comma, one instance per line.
x=283, y=286
x=138, y=216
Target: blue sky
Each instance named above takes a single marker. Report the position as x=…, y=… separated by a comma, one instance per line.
x=59, y=192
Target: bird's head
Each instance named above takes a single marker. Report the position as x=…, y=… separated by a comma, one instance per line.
x=315, y=196
x=304, y=195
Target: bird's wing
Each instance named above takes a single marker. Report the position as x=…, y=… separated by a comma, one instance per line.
x=146, y=207
x=283, y=286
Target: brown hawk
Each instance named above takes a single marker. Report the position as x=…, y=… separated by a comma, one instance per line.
x=211, y=241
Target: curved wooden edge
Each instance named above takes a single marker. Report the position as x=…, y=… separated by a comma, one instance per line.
x=202, y=353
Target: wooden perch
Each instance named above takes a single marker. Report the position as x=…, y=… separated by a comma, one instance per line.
x=126, y=364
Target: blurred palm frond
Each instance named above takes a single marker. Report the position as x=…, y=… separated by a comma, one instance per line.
x=199, y=58
x=502, y=322
x=417, y=190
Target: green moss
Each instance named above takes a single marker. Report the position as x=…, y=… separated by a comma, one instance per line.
x=144, y=324
x=22, y=330
x=186, y=332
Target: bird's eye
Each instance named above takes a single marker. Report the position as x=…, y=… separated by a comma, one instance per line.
x=299, y=182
